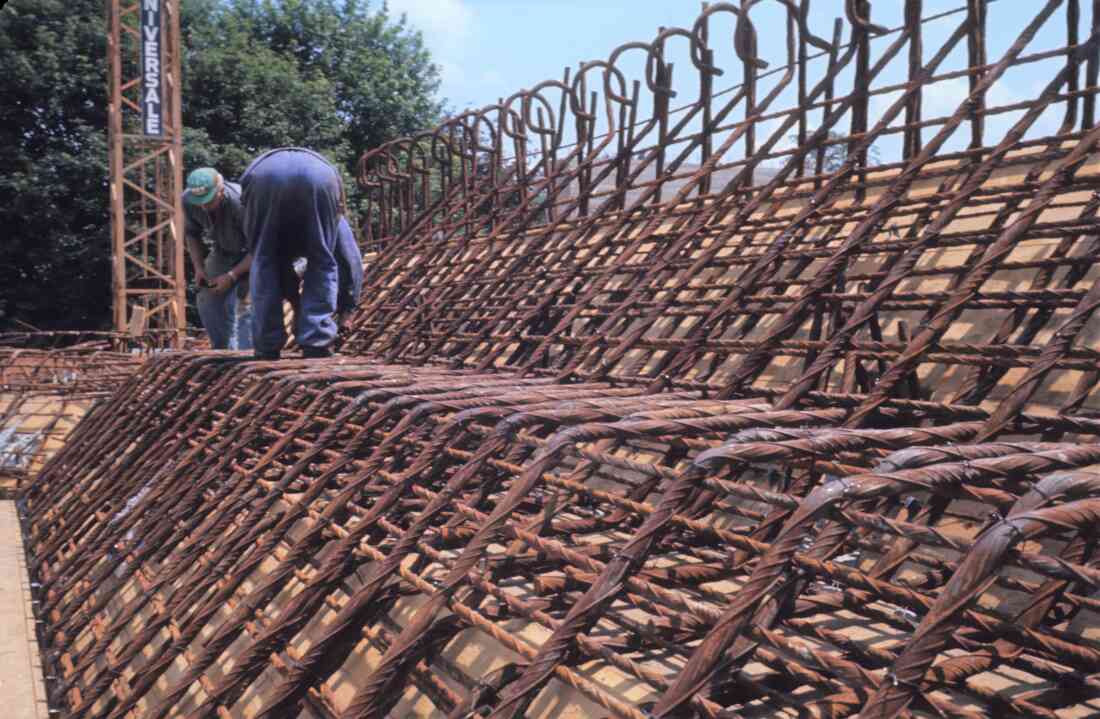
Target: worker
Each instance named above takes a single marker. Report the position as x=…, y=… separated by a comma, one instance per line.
x=212, y=207
x=349, y=265
x=292, y=205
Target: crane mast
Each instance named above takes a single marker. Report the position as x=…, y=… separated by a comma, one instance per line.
x=146, y=159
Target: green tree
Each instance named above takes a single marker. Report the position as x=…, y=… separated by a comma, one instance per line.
x=338, y=76
x=54, y=268
x=836, y=153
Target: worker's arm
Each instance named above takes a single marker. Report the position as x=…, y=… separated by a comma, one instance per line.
x=349, y=265
x=241, y=268
x=223, y=283
x=195, y=249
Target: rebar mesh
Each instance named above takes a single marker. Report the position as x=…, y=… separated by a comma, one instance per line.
x=48, y=381
x=662, y=419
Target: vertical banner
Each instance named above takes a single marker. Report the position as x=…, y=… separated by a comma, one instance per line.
x=152, y=87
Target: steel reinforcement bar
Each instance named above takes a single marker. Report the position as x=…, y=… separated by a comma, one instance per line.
x=48, y=381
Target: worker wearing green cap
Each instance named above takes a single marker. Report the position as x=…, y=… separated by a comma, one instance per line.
x=212, y=207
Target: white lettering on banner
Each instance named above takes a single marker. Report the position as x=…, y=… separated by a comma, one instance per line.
x=150, y=55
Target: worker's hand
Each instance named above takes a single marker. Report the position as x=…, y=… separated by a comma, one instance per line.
x=342, y=320
x=200, y=277
x=223, y=283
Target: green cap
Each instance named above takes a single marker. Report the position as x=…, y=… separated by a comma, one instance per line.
x=202, y=185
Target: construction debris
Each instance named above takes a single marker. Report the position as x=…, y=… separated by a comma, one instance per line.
x=612, y=437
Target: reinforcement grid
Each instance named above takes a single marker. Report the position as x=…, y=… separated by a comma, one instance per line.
x=48, y=381
x=641, y=417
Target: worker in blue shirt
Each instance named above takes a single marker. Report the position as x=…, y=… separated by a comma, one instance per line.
x=292, y=207
x=212, y=208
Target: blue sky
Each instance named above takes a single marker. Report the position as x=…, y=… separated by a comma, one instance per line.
x=489, y=49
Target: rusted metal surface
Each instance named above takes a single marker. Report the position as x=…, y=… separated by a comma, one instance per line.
x=48, y=381
x=145, y=147
x=616, y=436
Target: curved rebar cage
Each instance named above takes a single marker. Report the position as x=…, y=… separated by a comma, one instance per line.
x=777, y=399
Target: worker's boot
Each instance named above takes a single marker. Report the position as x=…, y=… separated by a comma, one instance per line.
x=316, y=352
x=265, y=356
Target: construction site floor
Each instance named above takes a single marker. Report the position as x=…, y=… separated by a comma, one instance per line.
x=22, y=693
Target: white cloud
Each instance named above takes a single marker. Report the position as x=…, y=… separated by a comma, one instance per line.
x=446, y=24
x=880, y=104
x=452, y=72
x=450, y=30
x=943, y=98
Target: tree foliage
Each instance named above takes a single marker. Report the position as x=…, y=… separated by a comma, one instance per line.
x=338, y=76
x=835, y=155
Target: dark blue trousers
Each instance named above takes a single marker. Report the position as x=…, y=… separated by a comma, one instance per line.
x=291, y=201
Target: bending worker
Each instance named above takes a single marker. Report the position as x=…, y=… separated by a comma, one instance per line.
x=292, y=199
x=212, y=207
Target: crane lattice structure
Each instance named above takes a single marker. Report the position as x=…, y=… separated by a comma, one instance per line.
x=146, y=148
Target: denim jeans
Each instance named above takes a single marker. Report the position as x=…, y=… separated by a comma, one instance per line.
x=227, y=318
